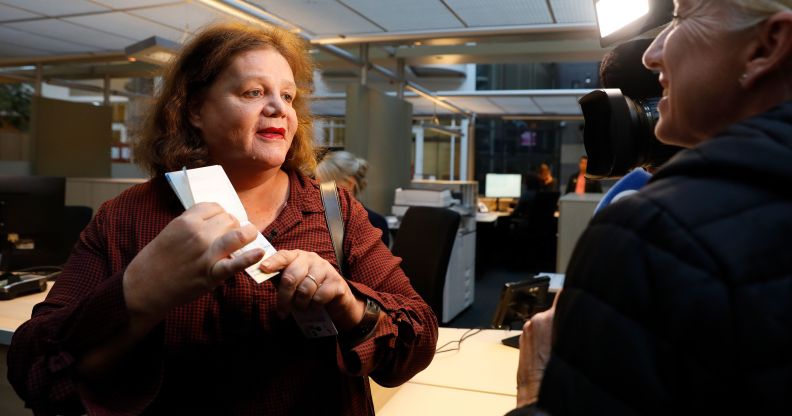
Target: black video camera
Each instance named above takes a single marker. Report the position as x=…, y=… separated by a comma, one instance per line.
x=619, y=133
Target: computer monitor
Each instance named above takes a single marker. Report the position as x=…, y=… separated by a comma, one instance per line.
x=519, y=301
x=502, y=185
x=31, y=221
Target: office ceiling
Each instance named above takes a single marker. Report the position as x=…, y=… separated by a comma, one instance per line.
x=419, y=31
x=529, y=104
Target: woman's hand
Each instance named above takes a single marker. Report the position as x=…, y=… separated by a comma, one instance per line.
x=189, y=257
x=308, y=279
x=535, y=342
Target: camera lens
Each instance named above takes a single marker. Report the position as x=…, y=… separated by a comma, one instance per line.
x=619, y=133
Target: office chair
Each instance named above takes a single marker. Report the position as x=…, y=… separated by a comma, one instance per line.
x=424, y=242
x=533, y=231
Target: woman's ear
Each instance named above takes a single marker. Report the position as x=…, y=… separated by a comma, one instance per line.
x=773, y=48
x=194, y=114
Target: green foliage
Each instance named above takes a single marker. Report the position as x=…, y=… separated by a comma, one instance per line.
x=15, y=105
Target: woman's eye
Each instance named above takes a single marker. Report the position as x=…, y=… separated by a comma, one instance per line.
x=253, y=93
x=288, y=97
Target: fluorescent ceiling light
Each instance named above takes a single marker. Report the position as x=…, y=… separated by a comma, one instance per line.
x=154, y=50
x=613, y=15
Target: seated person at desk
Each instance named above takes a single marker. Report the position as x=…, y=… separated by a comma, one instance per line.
x=676, y=299
x=152, y=315
x=579, y=184
x=349, y=172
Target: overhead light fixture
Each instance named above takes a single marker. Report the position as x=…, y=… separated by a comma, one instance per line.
x=621, y=20
x=154, y=50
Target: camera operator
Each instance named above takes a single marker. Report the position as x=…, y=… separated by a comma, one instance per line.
x=676, y=299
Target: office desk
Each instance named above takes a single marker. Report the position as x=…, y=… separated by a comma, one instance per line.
x=15, y=312
x=479, y=379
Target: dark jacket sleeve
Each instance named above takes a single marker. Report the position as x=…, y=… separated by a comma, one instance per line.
x=638, y=291
x=84, y=308
x=405, y=338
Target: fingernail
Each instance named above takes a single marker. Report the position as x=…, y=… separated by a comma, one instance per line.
x=265, y=264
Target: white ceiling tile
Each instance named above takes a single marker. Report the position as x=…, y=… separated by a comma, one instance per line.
x=517, y=105
x=30, y=40
x=189, y=17
x=59, y=29
x=502, y=12
x=558, y=105
x=422, y=106
x=476, y=104
x=320, y=17
x=124, y=4
x=127, y=25
x=9, y=50
x=333, y=107
x=406, y=14
x=12, y=13
x=573, y=11
x=56, y=7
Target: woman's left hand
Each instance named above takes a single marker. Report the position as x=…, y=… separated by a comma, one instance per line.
x=308, y=279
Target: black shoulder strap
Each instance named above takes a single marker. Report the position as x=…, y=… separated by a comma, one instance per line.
x=332, y=209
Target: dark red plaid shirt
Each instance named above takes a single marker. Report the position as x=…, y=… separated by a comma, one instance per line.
x=227, y=352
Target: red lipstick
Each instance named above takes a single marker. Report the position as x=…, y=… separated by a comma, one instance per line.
x=272, y=133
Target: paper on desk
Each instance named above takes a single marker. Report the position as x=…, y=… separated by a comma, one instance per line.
x=210, y=184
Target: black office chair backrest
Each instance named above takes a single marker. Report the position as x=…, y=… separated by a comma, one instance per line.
x=424, y=242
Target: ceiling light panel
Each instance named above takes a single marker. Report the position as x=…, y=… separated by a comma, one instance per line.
x=56, y=7
x=502, y=12
x=558, y=105
x=12, y=13
x=59, y=29
x=34, y=41
x=320, y=17
x=188, y=17
x=574, y=11
x=517, y=105
x=127, y=25
x=406, y=14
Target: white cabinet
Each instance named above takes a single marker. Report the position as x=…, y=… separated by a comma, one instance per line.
x=460, y=278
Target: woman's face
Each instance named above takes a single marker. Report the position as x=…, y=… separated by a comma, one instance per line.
x=246, y=118
x=698, y=61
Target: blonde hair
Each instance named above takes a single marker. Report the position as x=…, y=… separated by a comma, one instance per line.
x=340, y=166
x=170, y=141
x=746, y=13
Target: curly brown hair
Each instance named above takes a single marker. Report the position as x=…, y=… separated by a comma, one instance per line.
x=169, y=141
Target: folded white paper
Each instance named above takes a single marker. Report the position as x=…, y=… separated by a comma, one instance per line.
x=210, y=184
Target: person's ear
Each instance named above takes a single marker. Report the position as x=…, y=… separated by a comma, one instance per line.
x=194, y=115
x=772, y=50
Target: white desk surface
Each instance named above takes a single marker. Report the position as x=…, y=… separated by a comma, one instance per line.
x=482, y=364
x=417, y=399
x=479, y=379
x=15, y=312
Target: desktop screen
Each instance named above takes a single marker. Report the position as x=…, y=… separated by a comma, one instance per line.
x=503, y=185
x=31, y=217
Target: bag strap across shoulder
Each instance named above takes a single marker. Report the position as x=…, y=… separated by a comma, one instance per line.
x=335, y=223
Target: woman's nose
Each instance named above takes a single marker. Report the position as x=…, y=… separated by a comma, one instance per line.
x=274, y=107
x=653, y=56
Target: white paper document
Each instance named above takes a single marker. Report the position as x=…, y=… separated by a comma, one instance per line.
x=210, y=184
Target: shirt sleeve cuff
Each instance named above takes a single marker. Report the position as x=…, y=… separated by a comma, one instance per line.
x=360, y=360
x=101, y=316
